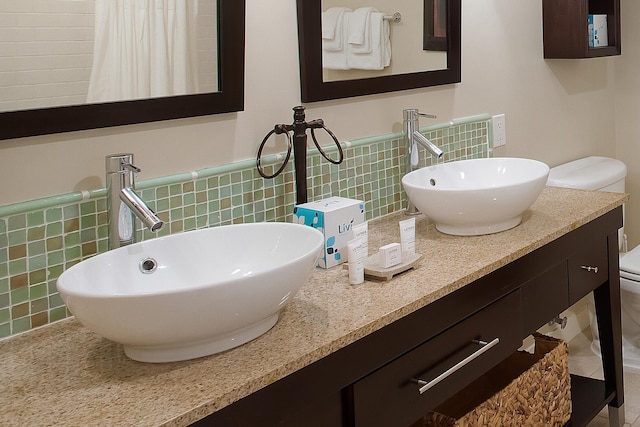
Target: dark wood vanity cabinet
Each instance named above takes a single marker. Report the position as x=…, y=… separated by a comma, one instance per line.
x=374, y=381
x=390, y=396
x=565, y=28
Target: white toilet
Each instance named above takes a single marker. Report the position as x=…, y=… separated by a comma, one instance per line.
x=606, y=174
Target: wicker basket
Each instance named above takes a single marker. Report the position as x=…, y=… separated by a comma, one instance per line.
x=524, y=390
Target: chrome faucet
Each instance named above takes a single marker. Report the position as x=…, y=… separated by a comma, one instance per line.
x=123, y=204
x=414, y=137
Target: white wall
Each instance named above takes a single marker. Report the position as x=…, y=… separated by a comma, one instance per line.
x=628, y=113
x=556, y=110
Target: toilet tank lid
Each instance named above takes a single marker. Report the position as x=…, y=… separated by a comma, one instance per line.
x=589, y=173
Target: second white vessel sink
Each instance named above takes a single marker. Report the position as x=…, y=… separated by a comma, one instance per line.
x=477, y=196
x=192, y=294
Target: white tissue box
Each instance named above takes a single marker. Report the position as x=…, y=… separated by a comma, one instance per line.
x=335, y=217
x=598, y=32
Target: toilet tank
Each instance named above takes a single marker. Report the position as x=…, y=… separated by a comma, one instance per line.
x=590, y=173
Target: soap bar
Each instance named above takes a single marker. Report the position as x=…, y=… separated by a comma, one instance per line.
x=390, y=255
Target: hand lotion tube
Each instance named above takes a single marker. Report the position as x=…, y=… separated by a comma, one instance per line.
x=362, y=231
x=357, y=250
x=408, y=235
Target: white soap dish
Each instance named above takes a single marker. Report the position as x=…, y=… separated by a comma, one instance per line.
x=373, y=269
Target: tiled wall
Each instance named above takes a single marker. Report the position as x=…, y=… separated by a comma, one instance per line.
x=40, y=238
x=46, y=51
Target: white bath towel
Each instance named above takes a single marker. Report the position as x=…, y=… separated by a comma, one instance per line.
x=380, y=55
x=359, y=33
x=334, y=47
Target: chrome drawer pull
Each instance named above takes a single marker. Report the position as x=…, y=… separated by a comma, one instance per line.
x=589, y=268
x=484, y=346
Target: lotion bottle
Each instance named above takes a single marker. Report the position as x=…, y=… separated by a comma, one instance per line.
x=408, y=235
x=357, y=251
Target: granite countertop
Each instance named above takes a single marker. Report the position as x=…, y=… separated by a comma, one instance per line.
x=65, y=375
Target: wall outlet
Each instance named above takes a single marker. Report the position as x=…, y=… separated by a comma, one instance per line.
x=499, y=130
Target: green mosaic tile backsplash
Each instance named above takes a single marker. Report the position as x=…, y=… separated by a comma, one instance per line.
x=40, y=239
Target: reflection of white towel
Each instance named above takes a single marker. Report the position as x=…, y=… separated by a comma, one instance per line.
x=386, y=42
x=380, y=54
x=334, y=29
x=359, y=34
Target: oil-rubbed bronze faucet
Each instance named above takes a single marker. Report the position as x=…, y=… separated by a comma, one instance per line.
x=123, y=204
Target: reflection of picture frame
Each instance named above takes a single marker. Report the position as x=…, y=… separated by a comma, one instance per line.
x=435, y=24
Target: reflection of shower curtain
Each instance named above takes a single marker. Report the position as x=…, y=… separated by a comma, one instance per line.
x=143, y=48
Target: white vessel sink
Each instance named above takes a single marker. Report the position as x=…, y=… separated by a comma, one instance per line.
x=211, y=289
x=478, y=196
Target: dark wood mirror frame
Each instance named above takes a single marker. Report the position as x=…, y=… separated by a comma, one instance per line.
x=229, y=98
x=314, y=88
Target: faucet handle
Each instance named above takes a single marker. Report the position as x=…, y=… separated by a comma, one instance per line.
x=412, y=114
x=119, y=163
x=130, y=167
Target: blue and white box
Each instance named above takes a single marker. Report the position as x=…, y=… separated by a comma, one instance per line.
x=598, y=32
x=335, y=218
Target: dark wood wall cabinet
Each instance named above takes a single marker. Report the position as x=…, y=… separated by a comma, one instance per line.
x=565, y=28
x=371, y=382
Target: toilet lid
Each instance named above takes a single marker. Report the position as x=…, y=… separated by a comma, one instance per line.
x=630, y=262
x=630, y=278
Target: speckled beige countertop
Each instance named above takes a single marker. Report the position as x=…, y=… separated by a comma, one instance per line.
x=65, y=375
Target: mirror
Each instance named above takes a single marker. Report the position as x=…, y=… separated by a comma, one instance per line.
x=410, y=67
x=229, y=96
x=435, y=25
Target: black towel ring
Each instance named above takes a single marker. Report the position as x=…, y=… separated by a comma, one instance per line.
x=332, y=135
x=280, y=129
x=298, y=143
x=277, y=129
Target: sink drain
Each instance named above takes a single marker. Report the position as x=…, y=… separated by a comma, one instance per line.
x=148, y=265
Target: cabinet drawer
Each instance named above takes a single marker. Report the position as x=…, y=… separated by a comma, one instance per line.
x=588, y=269
x=390, y=396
